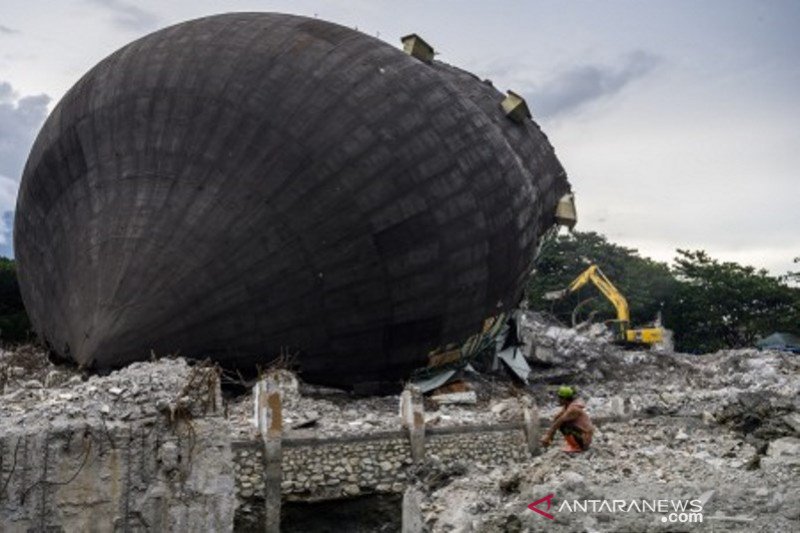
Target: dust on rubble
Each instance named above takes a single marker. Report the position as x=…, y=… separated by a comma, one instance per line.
x=673, y=426
x=670, y=426
x=34, y=392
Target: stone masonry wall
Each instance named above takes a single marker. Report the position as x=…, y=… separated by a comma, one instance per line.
x=489, y=445
x=317, y=469
x=335, y=469
x=342, y=467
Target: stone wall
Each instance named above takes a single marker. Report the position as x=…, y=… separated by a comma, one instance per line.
x=318, y=469
x=489, y=445
x=346, y=467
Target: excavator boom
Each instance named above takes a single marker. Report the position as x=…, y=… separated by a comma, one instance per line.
x=596, y=276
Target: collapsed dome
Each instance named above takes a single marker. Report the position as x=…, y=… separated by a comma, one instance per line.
x=249, y=184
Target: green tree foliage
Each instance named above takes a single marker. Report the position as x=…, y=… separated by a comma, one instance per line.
x=793, y=277
x=645, y=283
x=14, y=323
x=726, y=305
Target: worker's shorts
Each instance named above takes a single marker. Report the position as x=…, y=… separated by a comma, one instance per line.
x=575, y=431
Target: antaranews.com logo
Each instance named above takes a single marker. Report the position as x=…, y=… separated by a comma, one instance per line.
x=672, y=511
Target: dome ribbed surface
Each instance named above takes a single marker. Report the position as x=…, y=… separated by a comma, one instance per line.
x=245, y=183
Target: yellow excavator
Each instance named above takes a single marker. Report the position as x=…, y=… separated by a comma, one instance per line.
x=623, y=331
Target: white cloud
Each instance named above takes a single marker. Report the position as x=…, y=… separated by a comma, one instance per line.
x=8, y=198
x=20, y=120
x=576, y=87
x=673, y=166
x=8, y=193
x=5, y=233
x=128, y=15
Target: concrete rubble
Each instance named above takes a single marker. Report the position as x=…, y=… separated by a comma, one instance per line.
x=43, y=392
x=724, y=426
x=647, y=460
x=672, y=426
x=144, y=448
x=328, y=412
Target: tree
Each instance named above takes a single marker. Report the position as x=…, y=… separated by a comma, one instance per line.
x=721, y=305
x=645, y=283
x=14, y=323
x=793, y=277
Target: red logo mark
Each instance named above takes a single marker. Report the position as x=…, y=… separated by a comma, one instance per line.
x=548, y=499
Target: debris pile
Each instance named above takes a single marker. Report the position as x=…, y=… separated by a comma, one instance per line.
x=34, y=391
x=653, y=459
x=329, y=412
x=141, y=448
x=722, y=427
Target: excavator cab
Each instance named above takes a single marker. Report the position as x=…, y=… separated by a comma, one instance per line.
x=645, y=336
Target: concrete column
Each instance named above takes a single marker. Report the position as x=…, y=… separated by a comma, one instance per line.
x=412, y=511
x=531, y=423
x=270, y=424
x=412, y=416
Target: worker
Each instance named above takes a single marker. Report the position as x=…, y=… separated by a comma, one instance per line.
x=572, y=421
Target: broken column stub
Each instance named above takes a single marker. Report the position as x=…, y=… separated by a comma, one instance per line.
x=531, y=422
x=412, y=416
x=267, y=394
x=412, y=521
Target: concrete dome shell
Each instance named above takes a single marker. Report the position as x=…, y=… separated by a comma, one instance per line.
x=243, y=183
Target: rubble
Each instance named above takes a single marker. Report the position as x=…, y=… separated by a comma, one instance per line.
x=670, y=425
x=628, y=462
x=138, y=391
x=142, y=446
x=783, y=455
x=339, y=414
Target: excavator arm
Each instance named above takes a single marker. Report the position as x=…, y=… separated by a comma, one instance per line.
x=596, y=276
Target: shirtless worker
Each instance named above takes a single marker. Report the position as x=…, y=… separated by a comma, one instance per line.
x=572, y=421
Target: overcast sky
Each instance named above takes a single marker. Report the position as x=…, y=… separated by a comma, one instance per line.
x=678, y=121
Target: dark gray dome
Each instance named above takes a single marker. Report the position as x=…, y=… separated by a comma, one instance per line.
x=245, y=183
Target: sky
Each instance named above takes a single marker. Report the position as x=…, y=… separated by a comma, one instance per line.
x=678, y=121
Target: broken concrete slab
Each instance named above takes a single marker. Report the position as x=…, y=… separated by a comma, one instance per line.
x=107, y=459
x=462, y=398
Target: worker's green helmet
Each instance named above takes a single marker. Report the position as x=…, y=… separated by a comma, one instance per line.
x=566, y=392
